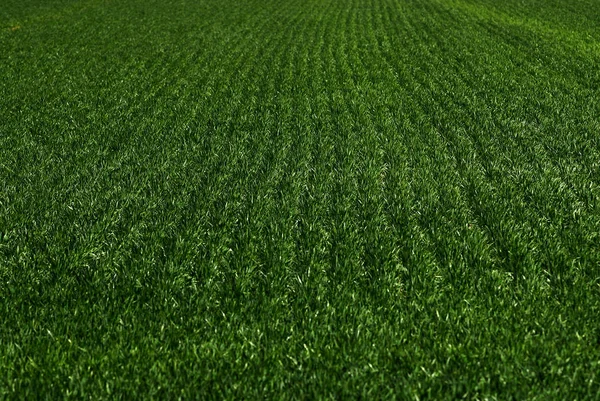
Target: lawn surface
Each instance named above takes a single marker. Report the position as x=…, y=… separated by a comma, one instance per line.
x=300, y=199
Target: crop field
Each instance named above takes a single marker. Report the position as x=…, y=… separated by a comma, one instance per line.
x=300, y=199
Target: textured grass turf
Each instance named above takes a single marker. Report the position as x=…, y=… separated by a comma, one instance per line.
x=300, y=199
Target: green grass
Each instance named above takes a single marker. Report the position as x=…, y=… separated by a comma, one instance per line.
x=282, y=199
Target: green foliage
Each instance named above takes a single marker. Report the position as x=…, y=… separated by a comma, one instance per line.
x=282, y=199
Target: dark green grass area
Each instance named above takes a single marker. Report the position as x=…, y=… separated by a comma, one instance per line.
x=281, y=199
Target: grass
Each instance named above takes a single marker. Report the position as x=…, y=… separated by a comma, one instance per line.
x=300, y=199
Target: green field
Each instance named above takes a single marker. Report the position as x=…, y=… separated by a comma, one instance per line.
x=282, y=199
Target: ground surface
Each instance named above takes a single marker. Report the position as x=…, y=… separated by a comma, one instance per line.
x=300, y=198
